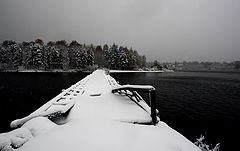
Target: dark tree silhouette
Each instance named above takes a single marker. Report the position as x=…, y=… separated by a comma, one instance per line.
x=61, y=55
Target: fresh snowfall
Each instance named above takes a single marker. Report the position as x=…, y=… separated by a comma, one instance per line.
x=88, y=116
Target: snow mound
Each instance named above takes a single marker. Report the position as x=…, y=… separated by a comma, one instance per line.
x=14, y=139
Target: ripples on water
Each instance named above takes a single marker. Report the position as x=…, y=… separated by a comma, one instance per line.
x=193, y=103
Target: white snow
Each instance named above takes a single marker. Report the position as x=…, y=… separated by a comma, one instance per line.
x=14, y=139
x=133, y=71
x=128, y=86
x=101, y=120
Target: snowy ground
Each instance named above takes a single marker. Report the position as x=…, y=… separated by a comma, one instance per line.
x=129, y=71
x=100, y=120
x=141, y=71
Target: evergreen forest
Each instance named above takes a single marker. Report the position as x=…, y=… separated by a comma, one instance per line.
x=61, y=55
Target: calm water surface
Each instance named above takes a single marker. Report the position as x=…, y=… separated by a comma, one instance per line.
x=23, y=93
x=193, y=103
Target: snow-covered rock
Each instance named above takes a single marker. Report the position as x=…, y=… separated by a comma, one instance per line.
x=14, y=139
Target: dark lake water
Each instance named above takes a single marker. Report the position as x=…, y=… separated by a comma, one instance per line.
x=193, y=103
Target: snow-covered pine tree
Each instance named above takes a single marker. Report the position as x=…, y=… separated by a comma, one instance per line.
x=138, y=59
x=144, y=61
x=63, y=49
x=122, y=60
x=81, y=58
x=8, y=50
x=55, y=59
x=27, y=54
x=74, y=47
x=37, y=54
x=3, y=57
x=65, y=58
x=17, y=56
x=46, y=57
x=99, y=56
x=30, y=55
x=3, y=54
x=132, y=59
x=113, y=57
x=106, y=56
x=90, y=56
x=84, y=56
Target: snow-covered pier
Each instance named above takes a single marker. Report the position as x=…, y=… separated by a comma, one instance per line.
x=95, y=114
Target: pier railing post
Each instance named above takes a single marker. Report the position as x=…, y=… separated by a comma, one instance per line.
x=151, y=93
x=152, y=99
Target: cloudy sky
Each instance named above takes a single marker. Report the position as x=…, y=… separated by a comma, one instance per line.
x=166, y=30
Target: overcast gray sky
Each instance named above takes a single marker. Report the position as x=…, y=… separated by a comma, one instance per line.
x=166, y=30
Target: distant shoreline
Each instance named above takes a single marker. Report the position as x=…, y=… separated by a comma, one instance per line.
x=35, y=70
x=136, y=71
x=73, y=70
x=211, y=71
x=119, y=71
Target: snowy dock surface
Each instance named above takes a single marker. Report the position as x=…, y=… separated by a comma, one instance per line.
x=99, y=120
x=98, y=103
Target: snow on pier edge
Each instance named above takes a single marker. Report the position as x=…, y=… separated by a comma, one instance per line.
x=96, y=123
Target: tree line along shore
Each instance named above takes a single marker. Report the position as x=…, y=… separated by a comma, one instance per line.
x=61, y=56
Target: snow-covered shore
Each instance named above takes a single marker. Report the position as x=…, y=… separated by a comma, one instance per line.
x=140, y=71
x=74, y=70
x=55, y=70
x=99, y=120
